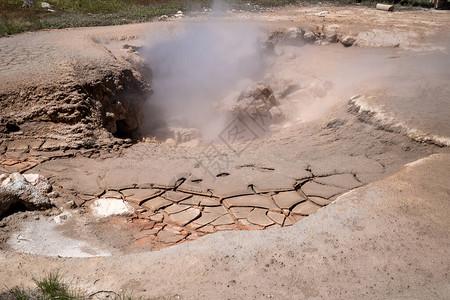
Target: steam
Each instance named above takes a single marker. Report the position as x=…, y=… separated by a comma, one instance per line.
x=198, y=64
x=199, y=67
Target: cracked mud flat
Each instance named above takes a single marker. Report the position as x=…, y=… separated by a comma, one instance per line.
x=283, y=180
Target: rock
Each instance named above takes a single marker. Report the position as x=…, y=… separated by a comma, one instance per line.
x=4, y=179
x=105, y=207
x=163, y=18
x=305, y=208
x=39, y=182
x=293, y=36
x=276, y=114
x=62, y=218
x=186, y=216
x=320, y=42
x=259, y=217
x=27, y=3
x=294, y=32
x=309, y=36
x=348, y=41
x=15, y=188
x=177, y=135
x=179, y=14
x=385, y=7
x=53, y=195
x=46, y=5
x=321, y=14
x=255, y=101
x=331, y=36
x=183, y=135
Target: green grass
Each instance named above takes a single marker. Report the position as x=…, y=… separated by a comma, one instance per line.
x=50, y=287
x=14, y=18
x=76, y=13
x=53, y=286
x=16, y=293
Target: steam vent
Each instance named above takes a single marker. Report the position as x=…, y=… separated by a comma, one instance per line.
x=232, y=151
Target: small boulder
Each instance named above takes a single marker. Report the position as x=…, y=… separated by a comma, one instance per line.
x=309, y=36
x=331, y=37
x=177, y=135
x=179, y=14
x=62, y=218
x=39, y=182
x=348, y=41
x=30, y=190
x=255, y=101
x=27, y=3
x=322, y=13
x=293, y=35
x=163, y=18
x=46, y=5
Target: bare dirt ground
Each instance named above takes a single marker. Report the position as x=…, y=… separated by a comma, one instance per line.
x=322, y=207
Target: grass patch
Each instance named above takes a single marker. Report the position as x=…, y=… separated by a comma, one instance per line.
x=15, y=293
x=52, y=287
x=14, y=18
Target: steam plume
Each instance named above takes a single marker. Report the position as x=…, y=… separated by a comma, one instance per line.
x=198, y=64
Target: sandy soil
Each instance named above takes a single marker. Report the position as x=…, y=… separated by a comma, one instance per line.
x=357, y=220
